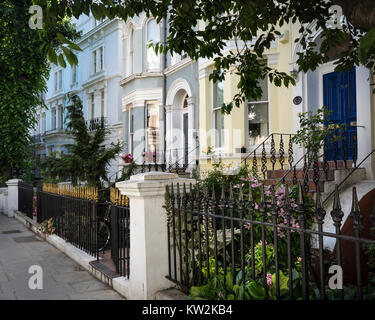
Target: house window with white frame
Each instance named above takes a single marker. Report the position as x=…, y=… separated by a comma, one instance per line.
x=97, y=60
x=92, y=101
x=94, y=64
x=53, y=118
x=102, y=103
x=58, y=80
x=257, y=114
x=152, y=131
x=153, y=36
x=61, y=117
x=131, y=131
x=218, y=117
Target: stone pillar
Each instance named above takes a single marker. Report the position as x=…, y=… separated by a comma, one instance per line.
x=191, y=133
x=162, y=133
x=148, y=232
x=12, y=196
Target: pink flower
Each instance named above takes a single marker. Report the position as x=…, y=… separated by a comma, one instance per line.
x=269, y=279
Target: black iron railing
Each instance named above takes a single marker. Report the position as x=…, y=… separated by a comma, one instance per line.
x=96, y=123
x=37, y=138
x=120, y=236
x=25, y=198
x=262, y=238
x=348, y=175
x=74, y=219
x=277, y=147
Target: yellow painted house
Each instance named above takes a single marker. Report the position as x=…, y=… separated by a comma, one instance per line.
x=246, y=127
x=234, y=137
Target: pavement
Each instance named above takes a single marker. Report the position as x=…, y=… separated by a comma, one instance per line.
x=62, y=278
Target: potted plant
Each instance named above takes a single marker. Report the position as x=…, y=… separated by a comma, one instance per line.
x=127, y=158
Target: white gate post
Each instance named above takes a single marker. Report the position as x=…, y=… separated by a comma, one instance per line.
x=12, y=196
x=148, y=232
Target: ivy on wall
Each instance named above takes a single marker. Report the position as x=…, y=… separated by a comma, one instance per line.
x=24, y=70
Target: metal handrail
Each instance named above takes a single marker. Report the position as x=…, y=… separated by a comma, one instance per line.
x=295, y=165
x=350, y=173
x=262, y=143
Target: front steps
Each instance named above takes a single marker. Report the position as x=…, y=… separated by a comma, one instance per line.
x=335, y=174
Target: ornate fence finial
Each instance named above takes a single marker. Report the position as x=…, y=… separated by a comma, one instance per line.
x=240, y=196
x=178, y=191
x=356, y=214
x=336, y=212
x=300, y=197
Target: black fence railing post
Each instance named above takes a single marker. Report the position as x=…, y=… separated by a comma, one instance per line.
x=300, y=210
x=337, y=216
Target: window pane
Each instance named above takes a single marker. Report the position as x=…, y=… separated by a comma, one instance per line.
x=153, y=34
x=218, y=94
x=60, y=79
x=92, y=106
x=258, y=122
x=102, y=104
x=153, y=31
x=263, y=83
x=219, y=128
x=152, y=131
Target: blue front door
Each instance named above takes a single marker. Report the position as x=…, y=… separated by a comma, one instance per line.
x=340, y=98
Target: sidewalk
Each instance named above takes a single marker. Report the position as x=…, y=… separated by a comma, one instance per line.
x=63, y=279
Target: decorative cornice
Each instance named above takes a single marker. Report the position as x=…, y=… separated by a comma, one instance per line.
x=140, y=75
x=138, y=97
x=178, y=66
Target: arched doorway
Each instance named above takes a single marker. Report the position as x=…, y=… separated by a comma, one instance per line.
x=180, y=123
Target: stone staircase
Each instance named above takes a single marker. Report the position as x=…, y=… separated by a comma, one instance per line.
x=334, y=174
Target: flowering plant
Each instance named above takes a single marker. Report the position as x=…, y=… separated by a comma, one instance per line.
x=47, y=227
x=128, y=156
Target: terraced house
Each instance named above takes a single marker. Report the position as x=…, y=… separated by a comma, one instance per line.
x=95, y=80
x=259, y=133
x=159, y=97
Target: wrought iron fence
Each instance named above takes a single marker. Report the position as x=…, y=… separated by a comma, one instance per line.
x=269, y=241
x=120, y=232
x=90, y=225
x=25, y=198
x=74, y=212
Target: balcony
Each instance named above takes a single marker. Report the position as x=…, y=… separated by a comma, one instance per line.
x=96, y=123
x=54, y=131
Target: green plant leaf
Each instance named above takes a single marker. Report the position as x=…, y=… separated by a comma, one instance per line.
x=229, y=281
x=256, y=291
x=366, y=44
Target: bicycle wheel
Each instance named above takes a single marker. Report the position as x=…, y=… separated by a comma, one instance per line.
x=104, y=234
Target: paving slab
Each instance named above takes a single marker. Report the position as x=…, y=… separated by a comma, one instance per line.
x=63, y=278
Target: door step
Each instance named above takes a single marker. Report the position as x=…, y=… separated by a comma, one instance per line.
x=102, y=271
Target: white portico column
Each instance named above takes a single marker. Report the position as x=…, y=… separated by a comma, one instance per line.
x=148, y=232
x=192, y=130
x=12, y=196
x=168, y=133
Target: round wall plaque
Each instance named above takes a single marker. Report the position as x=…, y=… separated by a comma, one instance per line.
x=297, y=100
